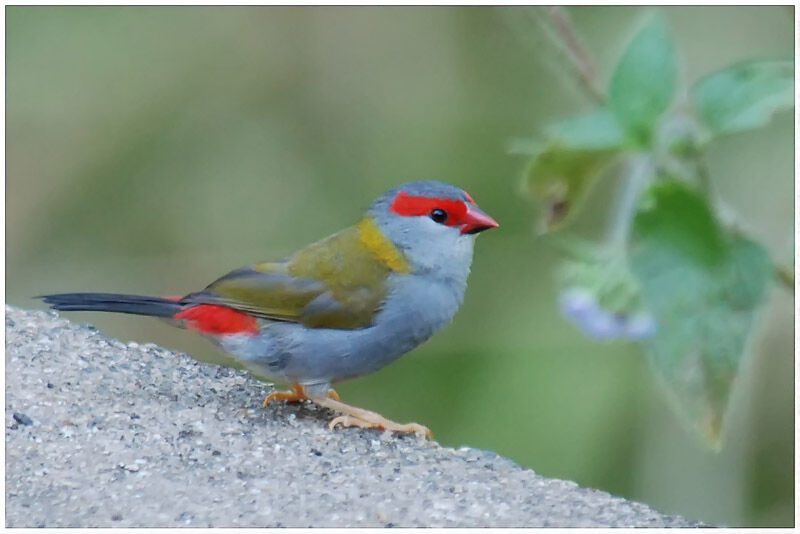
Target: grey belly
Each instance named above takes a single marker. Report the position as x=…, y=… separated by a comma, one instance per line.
x=289, y=352
x=294, y=354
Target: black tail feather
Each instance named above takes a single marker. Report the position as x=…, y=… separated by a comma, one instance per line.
x=113, y=302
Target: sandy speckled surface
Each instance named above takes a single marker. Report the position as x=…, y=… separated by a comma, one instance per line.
x=103, y=433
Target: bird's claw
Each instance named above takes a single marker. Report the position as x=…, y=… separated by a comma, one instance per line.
x=385, y=424
x=352, y=416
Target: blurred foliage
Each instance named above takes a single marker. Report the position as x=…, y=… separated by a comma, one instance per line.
x=744, y=96
x=701, y=283
x=150, y=149
x=643, y=84
x=704, y=286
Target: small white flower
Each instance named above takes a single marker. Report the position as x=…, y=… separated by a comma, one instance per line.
x=580, y=307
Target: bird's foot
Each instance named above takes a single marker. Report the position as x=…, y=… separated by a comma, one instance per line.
x=362, y=418
x=383, y=424
x=297, y=394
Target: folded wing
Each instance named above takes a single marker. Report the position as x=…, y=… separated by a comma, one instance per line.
x=334, y=283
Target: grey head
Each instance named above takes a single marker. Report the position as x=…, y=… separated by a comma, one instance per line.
x=434, y=224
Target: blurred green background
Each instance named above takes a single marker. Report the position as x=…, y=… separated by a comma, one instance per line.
x=152, y=149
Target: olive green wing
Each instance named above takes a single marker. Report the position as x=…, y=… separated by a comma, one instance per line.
x=335, y=283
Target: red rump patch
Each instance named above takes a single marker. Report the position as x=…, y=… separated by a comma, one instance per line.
x=213, y=319
x=405, y=204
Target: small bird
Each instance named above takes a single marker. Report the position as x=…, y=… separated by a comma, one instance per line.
x=339, y=308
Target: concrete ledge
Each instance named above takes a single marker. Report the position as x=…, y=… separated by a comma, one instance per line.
x=101, y=433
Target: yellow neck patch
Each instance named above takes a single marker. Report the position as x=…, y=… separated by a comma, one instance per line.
x=379, y=244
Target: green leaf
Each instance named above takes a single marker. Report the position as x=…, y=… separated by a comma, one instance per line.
x=643, y=83
x=558, y=178
x=561, y=170
x=744, y=96
x=704, y=285
x=598, y=130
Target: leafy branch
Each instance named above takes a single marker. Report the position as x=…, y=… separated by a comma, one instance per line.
x=675, y=273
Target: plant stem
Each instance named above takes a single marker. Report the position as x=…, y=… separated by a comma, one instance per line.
x=639, y=170
x=575, y=52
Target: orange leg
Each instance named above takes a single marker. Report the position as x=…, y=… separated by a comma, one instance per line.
x=297, y=394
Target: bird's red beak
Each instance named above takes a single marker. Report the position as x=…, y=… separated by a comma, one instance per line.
x=475, y=220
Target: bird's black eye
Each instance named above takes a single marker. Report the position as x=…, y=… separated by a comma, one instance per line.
x=438, y=215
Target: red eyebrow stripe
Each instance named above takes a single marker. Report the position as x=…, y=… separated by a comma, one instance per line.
x=411, y=205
